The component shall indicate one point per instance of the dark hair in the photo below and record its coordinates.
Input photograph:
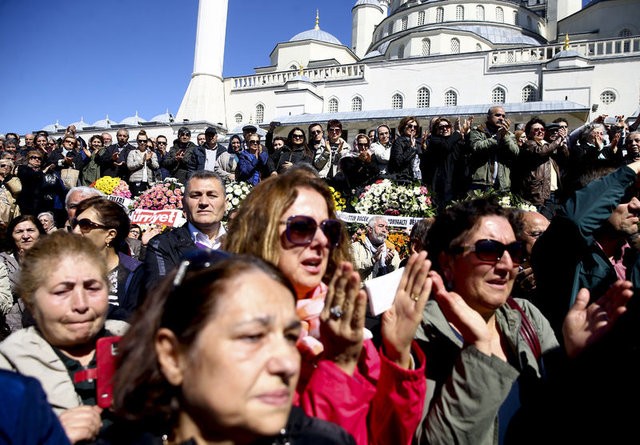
(453, 224)
(112, 215)
(334, 123)
(404, 121)
(11, 244)
(418, 235)
(203, 174)
(142, 394)
(98, 137)
(532, 121)
(290, 144)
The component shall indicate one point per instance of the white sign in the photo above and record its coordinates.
(171, 218)
(395, 221)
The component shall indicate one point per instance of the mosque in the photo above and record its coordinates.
(424, 58)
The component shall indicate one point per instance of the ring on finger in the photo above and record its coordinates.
(415, 297)
(336, 312)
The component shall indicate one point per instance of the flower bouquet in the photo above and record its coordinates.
(235, 194)
(505, 199)
(385, 197)
(339, 202)
(112, 186)
(166, 195)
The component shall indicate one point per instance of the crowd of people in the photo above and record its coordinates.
(258, 329)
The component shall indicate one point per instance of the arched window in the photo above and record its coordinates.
(333, 105)
(356, 104)
(450, 99)
(528, 22)
(238, 118)
(390, 28)
(259, 114)
(401, 52)
(607, 97)
(626, 32)
(405, 21)
(439, 14)
(397, 102)
(426, 47)
(499, 15)
(478, 47)
(498, 95)
(424, 98)
(455, 46)
(459, 12)
(480, 12)
(293, 66)
(421, 18)
(515, 17)
(529, 94)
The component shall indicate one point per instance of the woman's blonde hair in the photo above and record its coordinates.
(254, 229)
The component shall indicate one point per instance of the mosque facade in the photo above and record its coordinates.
(423, 58)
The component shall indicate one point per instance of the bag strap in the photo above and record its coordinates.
(527, 330)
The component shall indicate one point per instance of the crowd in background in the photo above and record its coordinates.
(257, 329)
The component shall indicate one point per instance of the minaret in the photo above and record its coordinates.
(204, 99)
(365, 16)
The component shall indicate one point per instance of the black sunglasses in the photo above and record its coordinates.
(301, 229)
(491, 251)
(86, 225)
(198, 259)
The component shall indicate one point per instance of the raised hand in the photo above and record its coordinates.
(342, 318)
(400, 321)
(466, 320)
(81, 423)
(585, 323)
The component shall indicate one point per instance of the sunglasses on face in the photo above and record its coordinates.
(301, 229)
(492, 251)
(86, 225)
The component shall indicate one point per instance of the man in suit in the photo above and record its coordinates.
(113, 162)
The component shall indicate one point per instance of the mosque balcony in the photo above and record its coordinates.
(314, 75)
(627, 46)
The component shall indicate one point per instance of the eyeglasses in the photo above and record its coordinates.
(563, 126)
(443, 127)
(4, 165)
(365, 145)
(86, 225)
(491, 251)
(500, 115)
(198, 259)
(254, 142)
(316, 132)
(298, 136)
(335, 130)
(301, 229)
(537, 130)
(141, 141)
(51, 144)
(410, 126)
(35, 157)
(161, 143)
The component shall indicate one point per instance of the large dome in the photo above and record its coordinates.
(316, 34)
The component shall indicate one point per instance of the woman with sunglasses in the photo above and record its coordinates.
(107, 225)
(375, 395)
(404, 160)
(486, 350)
(42, 189)
(358, 168)
(446, 160)
(296, 151)
(252, 162)
(219, 368)
(63, 283)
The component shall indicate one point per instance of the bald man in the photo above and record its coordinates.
(533, 225)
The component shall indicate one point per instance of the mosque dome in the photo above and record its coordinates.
(367, 2)
(316, 34)
(104, 123)
(133, 120)
(164, 118)
(80, 125)
(54, 128)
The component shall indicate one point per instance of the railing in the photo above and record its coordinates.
(594, 49)
(328, 74)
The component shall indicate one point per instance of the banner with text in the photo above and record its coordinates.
(395, 221)
(171, 218)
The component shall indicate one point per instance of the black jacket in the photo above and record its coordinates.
(164, 252)
(108, 166)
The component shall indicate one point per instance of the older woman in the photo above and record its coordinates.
(23, 231)
(107, 225)
(222, 369)
(485, 349)
(376, 396)
(69, 304)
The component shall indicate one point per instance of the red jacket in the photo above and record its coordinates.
(381, 403)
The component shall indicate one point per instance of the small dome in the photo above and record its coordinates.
(133, 120)
(81, 124)
(54, 128)
(165, 118)
(316, 34)
(367, 2)
(104, 123)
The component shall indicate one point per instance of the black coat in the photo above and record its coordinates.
(108, 165)
(164, 252)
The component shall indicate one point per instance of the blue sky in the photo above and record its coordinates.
(62, 60)
(67, 59)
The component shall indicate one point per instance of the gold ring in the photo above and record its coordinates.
(415, 297)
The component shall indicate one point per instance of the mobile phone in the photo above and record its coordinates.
(106, 355)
